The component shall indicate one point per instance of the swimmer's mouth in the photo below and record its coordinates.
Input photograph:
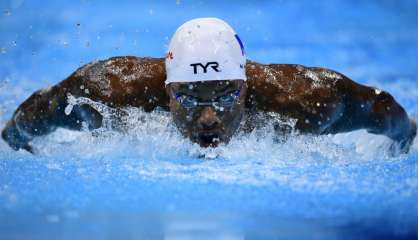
(208, 139)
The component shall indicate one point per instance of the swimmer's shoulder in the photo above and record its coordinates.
(272, 79)
(120, 81)
(291, 78)
(123, 70)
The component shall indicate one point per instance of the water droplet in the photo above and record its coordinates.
(71, 214)
(52, 218)
(211, 155)
(3, 50)
(71, 102)
(68, 109)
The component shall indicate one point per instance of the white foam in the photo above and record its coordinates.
(152, 148)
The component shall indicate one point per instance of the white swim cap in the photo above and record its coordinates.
(205, 49)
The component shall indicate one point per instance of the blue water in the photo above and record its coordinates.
(152, 184)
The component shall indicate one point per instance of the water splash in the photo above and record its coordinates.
(151, 147)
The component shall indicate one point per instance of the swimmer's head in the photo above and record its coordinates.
(205, 67)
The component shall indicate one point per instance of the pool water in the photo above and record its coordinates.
(151, 183)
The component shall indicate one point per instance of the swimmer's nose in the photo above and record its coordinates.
(208, 119)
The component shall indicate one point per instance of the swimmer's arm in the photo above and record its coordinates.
(290, 91)
(44, 111)
(377, 112)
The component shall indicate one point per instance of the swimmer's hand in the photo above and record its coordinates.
(403, 145)
(15, 139)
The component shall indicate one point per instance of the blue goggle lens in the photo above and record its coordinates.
(224, 101)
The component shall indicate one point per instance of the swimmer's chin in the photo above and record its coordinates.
(208, 139)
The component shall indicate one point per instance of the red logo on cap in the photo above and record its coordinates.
(169, 55)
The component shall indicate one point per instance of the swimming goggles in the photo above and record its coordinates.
(224, 101)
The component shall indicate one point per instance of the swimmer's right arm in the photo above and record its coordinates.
(103, 81)
(43, 112)
(40, 114)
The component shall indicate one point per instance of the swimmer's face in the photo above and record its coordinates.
(208, 112)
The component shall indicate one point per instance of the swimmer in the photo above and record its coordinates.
(210, 88)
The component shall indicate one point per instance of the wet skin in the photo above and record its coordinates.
(207, 125)
(322, 101)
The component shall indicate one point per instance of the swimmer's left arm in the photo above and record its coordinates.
(377, 112)
(324, 101)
